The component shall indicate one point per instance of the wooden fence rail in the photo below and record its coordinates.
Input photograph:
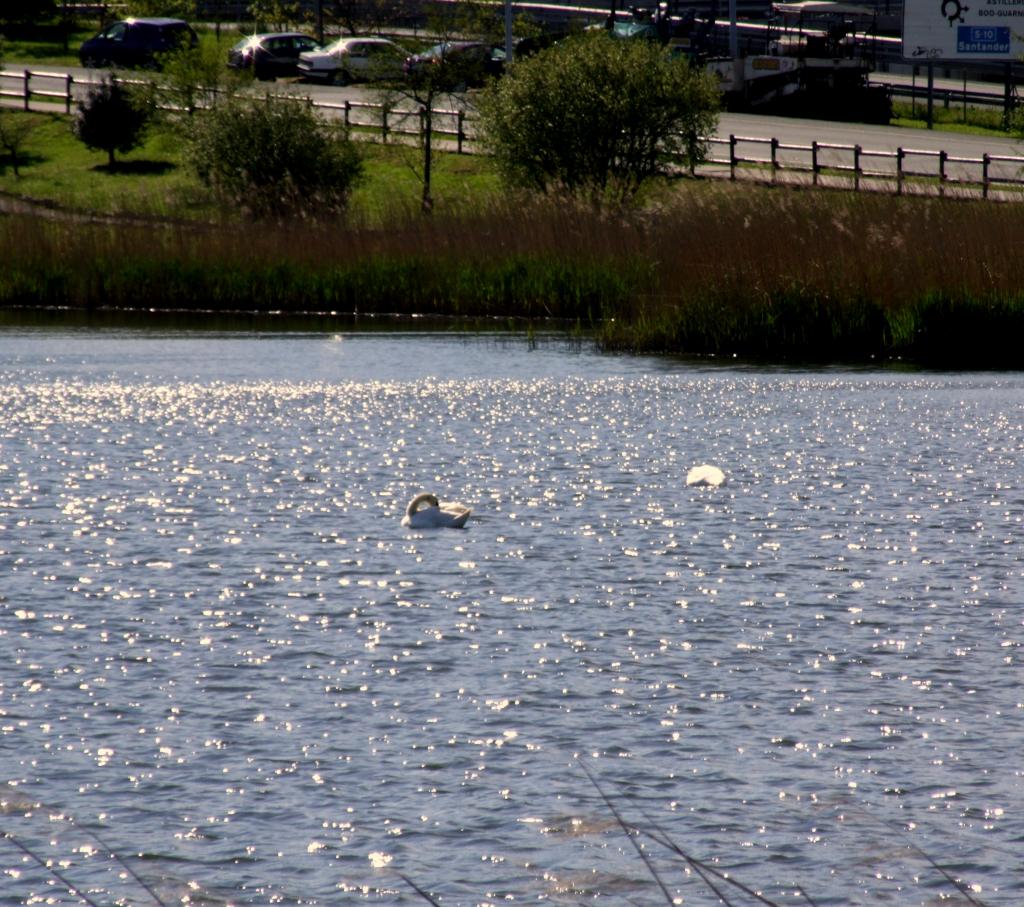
(900, 171)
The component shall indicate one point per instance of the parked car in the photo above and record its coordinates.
(353, 59)
(136, 42)
(271, 55)
(465, 62)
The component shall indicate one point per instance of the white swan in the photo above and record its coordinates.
(424, 512)
(705, 475)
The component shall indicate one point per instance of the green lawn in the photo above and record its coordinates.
(56, 167)
(975, 121)
(46, 43)
(44, 46)
(154, 180)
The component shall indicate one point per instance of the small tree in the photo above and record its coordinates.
(19, 11)
(597, 116)
(195, 77)
(185, 9)
(274, 157)
(110, 119)
(279, 14)
(368, 16)
(15, 128)
(446, 75)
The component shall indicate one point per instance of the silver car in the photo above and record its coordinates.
(353, 59)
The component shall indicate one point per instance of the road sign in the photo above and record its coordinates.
(991, 30)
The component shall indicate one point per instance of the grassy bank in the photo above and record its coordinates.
(717, 270)
(704, 267)
(957, 118)
(153, 180)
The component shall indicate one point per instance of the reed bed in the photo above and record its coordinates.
(710, 269)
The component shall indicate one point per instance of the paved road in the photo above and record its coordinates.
(882, 138)
(963, 153)
(791, 131)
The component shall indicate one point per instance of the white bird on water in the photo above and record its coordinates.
(426, 512)
(706, 476)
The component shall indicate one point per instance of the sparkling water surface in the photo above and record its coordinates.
(230, 676)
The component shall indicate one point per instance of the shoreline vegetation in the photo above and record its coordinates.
(698, 268)
(714, 270)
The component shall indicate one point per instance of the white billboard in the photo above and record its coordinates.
(963, 30)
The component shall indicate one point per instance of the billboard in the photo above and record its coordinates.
(963, 30)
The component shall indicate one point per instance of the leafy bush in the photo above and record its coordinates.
(597, 116)
(15, 128)
(109, 119)
(196, 77)
(12, 11)
(185, 9)
(274, 158)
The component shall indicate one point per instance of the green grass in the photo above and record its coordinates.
(703, 267)
(57, 168)
(154, 180)
(45, 44)
(975, 121)
(762, 274)
(48, 44)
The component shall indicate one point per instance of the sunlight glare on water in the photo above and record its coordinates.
(227, 662)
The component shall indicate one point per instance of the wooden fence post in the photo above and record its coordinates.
(70, 80)
(26, 77)
(732, 156)
(460, 124)
(899, 170)
(856, 168)
(984, 175)
(942, 173)
(384, 123)
(348, 113)
(814, 163)
(775, 157)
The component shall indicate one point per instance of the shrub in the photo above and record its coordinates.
(18, 11)
(15, 128)
(186, 9)
(109, 119)
(274, 158)
(195, 77)
(597, 116)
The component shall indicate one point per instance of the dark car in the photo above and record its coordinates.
(457, 63)
(136, 42)
(271, 55)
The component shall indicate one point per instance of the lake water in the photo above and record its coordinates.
(226, 663)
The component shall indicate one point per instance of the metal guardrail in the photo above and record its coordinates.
(901, 171)
(948, 97)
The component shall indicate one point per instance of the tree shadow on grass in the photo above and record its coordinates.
(136, 168)
(25, 160)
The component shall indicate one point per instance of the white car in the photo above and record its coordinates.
(353, 59)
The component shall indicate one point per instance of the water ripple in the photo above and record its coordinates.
(228, 661)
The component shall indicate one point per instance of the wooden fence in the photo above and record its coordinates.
(38, 85)
(900, 171)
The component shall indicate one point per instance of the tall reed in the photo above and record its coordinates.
(714, 269)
